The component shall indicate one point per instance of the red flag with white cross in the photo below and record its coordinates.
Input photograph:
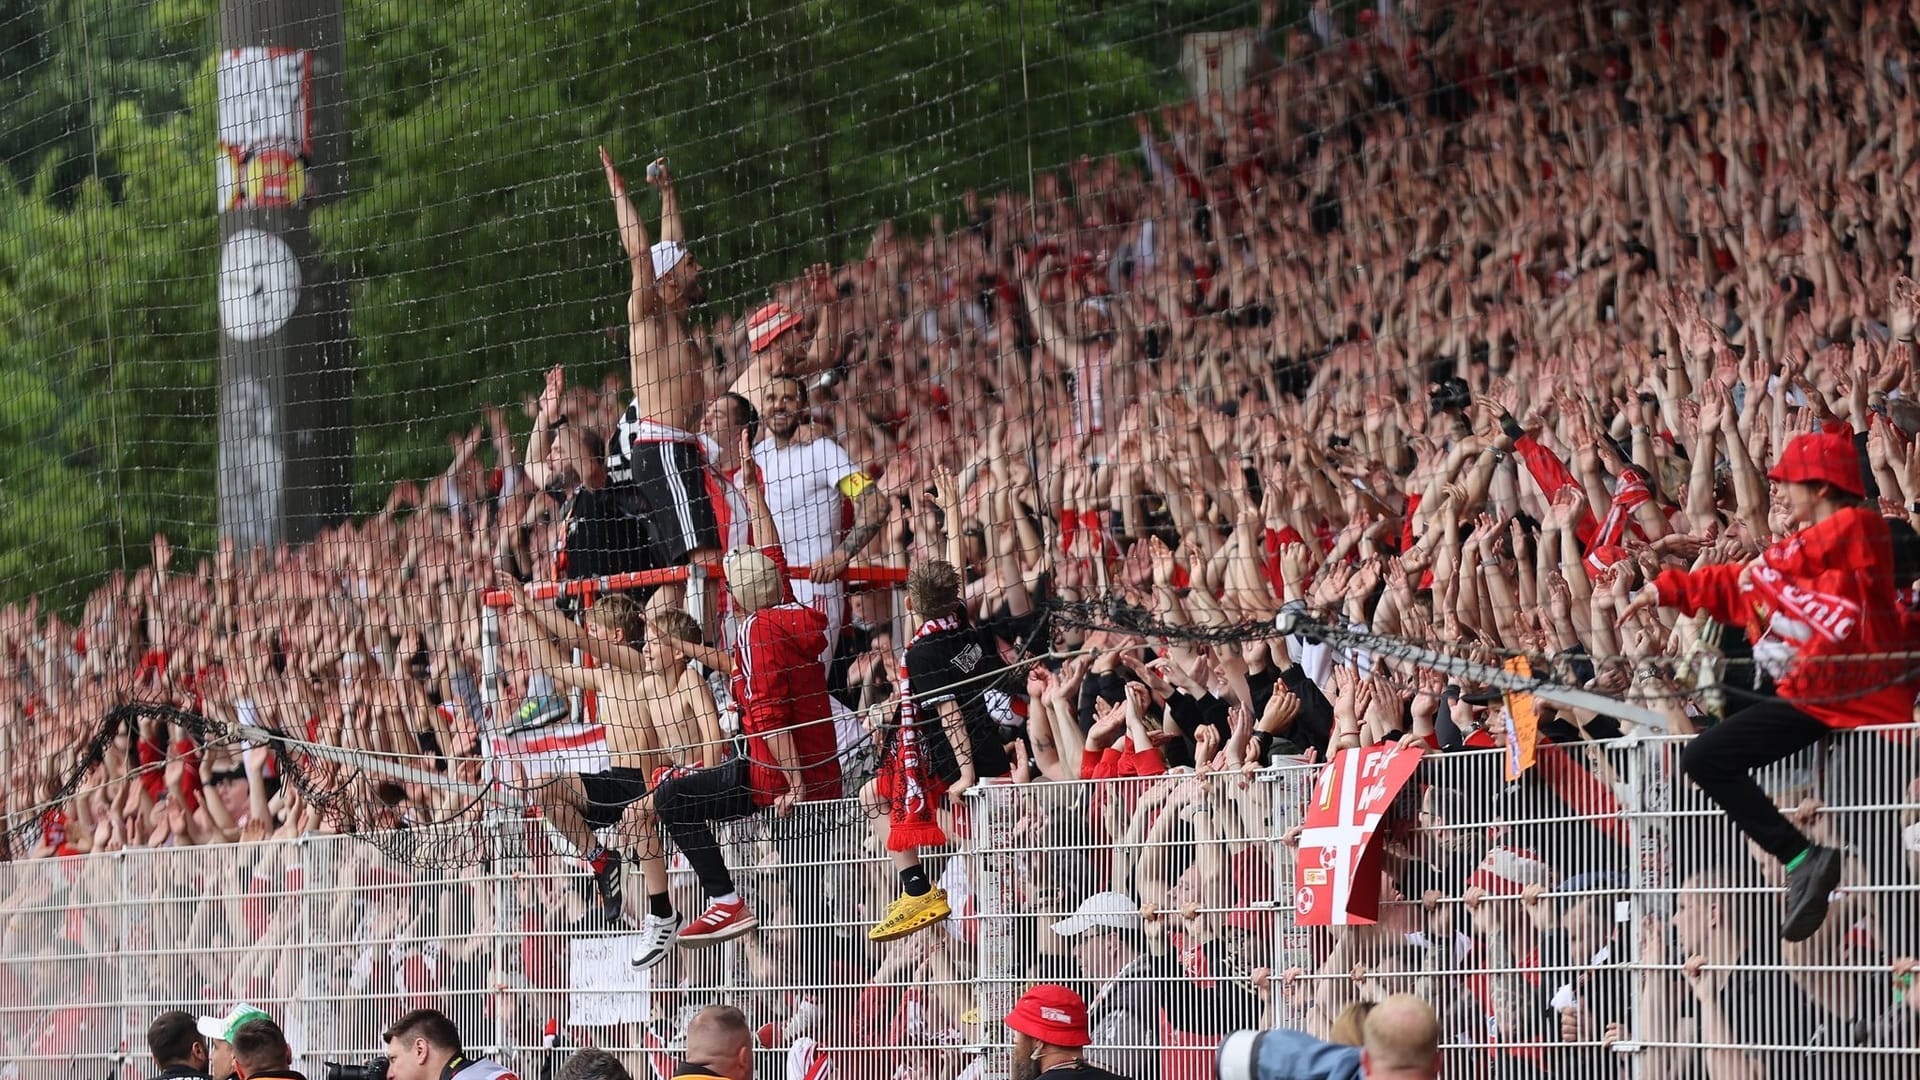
(1337, 878)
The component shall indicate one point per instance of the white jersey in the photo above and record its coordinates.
(802, 483)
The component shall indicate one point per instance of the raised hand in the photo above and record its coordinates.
(749, 474)
(946, 494)
(820, 286)
(552, 393)
(1903, 307)
(1568, 504)
(616, 184)
(1206, 744)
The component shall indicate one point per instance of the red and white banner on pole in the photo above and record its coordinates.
(1337, 881)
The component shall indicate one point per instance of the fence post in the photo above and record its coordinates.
(993, 965)
(490, 667)
(1648, 802)
(496, 969)
(304, 967)
(1292, 944)
(122, 906)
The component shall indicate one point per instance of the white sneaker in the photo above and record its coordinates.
(656, 940)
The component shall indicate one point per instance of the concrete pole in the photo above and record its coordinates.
(286, 380)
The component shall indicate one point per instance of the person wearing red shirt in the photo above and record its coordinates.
(1809, 603)
(781, 689)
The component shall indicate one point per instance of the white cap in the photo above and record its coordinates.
(1109, 909)
(752, 578)
(667, 255)
(221, 1027)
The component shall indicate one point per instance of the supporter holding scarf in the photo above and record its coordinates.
(925, 762)
(1808, 603)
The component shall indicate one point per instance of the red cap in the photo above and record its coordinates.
(1820, 457)
(767, 324)
(1051, 1014)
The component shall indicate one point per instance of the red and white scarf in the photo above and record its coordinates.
(906, 777)
(1633, 493)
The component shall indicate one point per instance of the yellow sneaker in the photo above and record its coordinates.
(909, 914)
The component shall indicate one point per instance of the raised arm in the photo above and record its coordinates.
(553, 627)
(762, 532)
(633, 238)
(672, 228)
(869, 519)
(544, 656)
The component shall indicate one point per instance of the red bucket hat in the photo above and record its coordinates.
(1051, 1014)
(1819, 457)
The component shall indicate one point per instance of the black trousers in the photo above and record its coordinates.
(686, 804)
(1864, 770)
(1721, 760)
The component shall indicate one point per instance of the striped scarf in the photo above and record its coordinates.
(1632, 494)
(906, 776)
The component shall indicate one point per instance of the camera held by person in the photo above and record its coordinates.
(424, 1045)
(374, 1069)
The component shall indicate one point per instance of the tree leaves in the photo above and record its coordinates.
(474, 230)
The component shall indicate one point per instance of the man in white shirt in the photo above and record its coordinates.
(808, 486)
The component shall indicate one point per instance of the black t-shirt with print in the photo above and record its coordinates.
(963, 666)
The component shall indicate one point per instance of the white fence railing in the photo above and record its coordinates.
(1648, 948)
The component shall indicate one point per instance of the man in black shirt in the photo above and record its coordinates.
(178, 1050)
(949, 668)
(1050, 1028)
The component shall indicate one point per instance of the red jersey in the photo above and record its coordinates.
(779, 683)
(1824, 593)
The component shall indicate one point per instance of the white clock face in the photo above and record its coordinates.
(259, 284)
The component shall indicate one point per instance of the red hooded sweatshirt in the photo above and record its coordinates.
(1826, 591)
(780, 684)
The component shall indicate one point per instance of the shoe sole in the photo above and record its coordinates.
(651, 960)
(715, 937)
(907, 929)
(1801, 925)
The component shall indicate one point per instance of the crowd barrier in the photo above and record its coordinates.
(1645, 947)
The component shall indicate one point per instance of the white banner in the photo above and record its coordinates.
(605, 989)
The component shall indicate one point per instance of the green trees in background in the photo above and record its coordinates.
(475, 227)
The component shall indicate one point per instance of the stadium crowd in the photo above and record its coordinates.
(1462, 330)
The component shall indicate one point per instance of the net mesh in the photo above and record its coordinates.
(1435, 331)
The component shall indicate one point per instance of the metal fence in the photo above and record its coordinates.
(1595, 919)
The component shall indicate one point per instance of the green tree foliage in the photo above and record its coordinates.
(475, 227)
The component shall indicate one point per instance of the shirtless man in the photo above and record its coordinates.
(685, 717)
(688, 724)
(655, 448)
(578, 805)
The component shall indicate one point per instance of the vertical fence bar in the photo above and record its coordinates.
(122, 910)
(993, 964)
(496, 949)
(490, 666)
(304, 969)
